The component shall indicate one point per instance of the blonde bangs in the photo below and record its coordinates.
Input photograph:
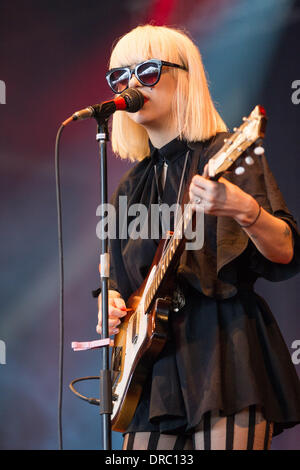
(196, 116)
(135, 46)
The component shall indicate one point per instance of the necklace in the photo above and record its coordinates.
(160, 184)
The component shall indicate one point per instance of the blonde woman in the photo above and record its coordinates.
(224, 379)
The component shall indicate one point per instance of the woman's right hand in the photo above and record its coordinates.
(116, 310)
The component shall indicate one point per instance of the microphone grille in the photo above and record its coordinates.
(134, 100)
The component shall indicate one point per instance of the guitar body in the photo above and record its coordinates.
(141, 338)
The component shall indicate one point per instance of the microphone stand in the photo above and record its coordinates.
(105, 375)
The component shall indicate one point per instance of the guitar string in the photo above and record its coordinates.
(162, 261)
(178, 196)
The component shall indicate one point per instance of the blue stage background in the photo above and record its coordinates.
(53, 60)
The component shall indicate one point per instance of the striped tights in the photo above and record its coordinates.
(246, 430)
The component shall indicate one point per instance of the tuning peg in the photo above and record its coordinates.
(228, 141)
(259, 150)
(249, 160)
(239, 170)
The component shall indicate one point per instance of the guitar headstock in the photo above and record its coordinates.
(250, 132)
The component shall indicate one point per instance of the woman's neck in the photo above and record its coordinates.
(160, 137)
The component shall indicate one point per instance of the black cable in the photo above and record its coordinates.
(91, 400)
(61, 290)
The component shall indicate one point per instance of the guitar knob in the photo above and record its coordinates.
(239, 170)
(259, 150)
(249, 160)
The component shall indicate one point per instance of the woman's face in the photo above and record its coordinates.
(157, 111)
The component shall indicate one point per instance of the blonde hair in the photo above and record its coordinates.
(192, 105)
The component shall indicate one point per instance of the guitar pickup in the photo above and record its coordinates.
(117, 359)
(134, 338)
(116, 362)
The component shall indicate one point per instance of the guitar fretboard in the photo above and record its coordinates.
(168, 255)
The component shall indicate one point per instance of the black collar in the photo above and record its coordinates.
(169, 152)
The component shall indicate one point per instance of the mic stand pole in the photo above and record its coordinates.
(105, 375)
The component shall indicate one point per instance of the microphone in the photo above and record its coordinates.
(130, 100)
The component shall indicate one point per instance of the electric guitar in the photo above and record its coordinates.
(143, 332)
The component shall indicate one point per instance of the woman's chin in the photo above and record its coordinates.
(141, 117)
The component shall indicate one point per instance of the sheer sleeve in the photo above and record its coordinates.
(232, 240)
(277, 207)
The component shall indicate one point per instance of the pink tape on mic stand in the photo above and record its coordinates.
(86, 345)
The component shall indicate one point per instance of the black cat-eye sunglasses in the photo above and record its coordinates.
(148, 74)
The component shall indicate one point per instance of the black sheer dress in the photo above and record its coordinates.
(225, 351)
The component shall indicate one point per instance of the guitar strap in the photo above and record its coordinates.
(160, 181)
(178, 297)
(193, 171)
(160, 184)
